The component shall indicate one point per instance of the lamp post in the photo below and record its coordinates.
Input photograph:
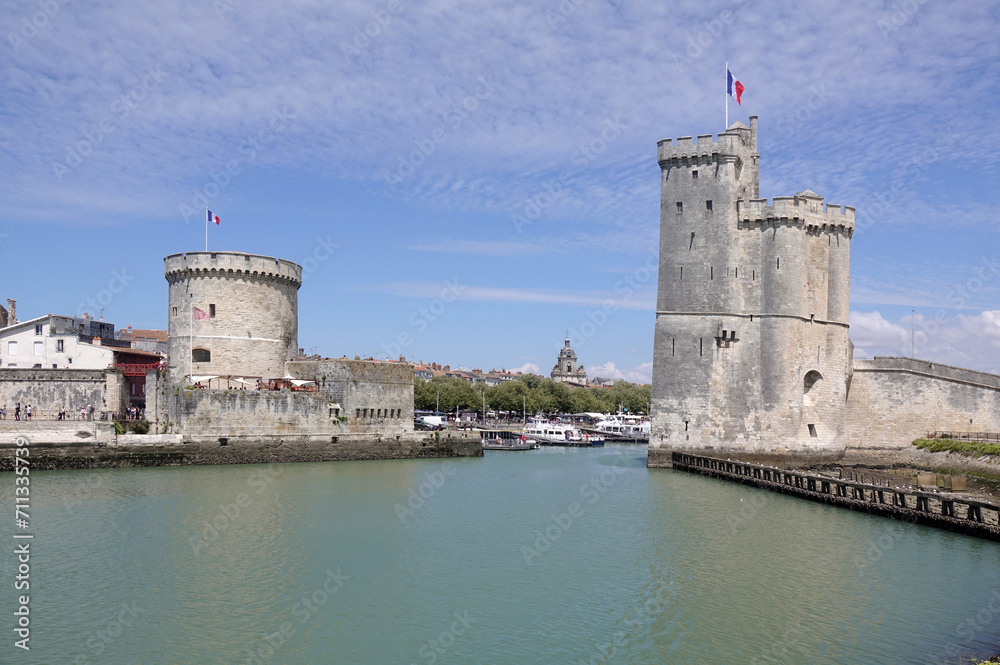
(437, 407)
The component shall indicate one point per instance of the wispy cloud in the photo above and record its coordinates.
(522, 296)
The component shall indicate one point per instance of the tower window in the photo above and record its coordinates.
(682, 273)
(701, 346)
(201, 355)
(673, 347)
(211, 311)
(680, 207)
(778, 264)
(694, 175)
(812, 430)
(711, 272)
(174, 312)
(708, 205)
(60, 346)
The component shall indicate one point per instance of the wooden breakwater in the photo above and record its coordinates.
(944, 511)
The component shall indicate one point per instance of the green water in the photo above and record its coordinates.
(330, 562)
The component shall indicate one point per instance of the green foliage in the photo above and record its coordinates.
(953, 446)
(133, 426)
(532, 393)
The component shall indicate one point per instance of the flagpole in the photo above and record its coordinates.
(191, 332)
(727, 111)
(206, 211)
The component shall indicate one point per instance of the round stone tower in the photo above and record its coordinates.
(231, 314)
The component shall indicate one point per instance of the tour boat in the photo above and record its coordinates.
(558, 434)
(624, 428)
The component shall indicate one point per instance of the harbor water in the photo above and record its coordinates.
(549, 556)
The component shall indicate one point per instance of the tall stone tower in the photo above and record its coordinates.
(751, 356)
(231, 314)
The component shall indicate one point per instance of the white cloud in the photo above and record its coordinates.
(641, 374)
(527, 368)
(971, 341)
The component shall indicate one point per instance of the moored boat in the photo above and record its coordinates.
(506, 440)
(559, 434)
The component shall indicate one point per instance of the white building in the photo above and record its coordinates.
(58, 342)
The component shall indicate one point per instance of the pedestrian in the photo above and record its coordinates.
(91, 415)
(17, 411)
(27, 412)
(3, 412)
(83, 413)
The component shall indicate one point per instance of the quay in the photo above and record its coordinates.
(959, 514)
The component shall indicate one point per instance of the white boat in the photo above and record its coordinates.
(506, 440)
(624, 428)
(558, 434)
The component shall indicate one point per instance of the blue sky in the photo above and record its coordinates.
(464, 182)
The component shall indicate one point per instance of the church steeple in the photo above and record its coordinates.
(566, 369)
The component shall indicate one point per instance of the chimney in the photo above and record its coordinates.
(11, 311)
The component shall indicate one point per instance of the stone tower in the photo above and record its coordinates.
(246, 321)
(751, 356)
(566, 368)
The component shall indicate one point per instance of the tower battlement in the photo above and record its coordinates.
(805, 209)
(737, 141)
(239, 264)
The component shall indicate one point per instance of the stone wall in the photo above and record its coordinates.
(374, 396)
(893, 401)
(352, 397)
(49, 390)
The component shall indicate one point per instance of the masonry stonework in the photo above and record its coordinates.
(751, 354)
(51, 390)
(893, 401)
(246, 322)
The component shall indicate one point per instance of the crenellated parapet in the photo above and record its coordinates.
(705, 148)
(805, 210)
(200, 265)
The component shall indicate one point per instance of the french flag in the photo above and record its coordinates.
(734, 87)
(215, 218)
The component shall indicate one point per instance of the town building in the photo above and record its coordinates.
(154, 341)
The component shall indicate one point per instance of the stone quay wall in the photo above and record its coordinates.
(60, 445)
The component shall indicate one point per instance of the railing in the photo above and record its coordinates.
(984, 437)
(136, 369)
(962, 514)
